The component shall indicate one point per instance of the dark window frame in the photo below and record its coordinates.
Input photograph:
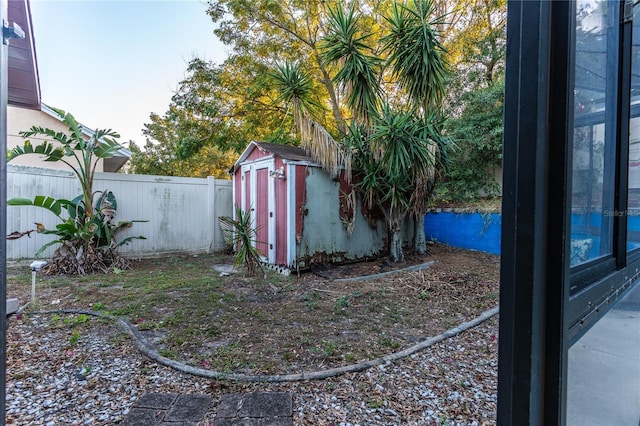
(593, 289)
(540, 315)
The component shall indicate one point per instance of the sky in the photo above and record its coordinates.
(112, 63)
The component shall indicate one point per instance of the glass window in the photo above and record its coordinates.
(633, 209)
(593, 168)
(604, 369)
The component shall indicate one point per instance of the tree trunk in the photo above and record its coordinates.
(326, 81)
(419, 238)
(395, 247)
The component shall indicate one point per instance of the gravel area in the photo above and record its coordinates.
(74, 370)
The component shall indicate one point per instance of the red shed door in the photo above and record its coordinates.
(262, 211)
(258, 195)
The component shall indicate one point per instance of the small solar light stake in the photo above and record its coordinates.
(35, 267)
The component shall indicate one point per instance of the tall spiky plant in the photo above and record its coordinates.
(417, 61)
(295, 87)
(359, 71)
(399, 151)
(416, 56)
(397, 161)
(243, 239)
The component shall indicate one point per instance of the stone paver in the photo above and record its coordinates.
(266, 404)
(160, 401)
(143, 417)
(259, 409)
(189, 408)
(251, 409)
(168, 409)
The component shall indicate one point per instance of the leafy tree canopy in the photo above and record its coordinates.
(478, 134)
(218, 109)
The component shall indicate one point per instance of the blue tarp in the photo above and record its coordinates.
(474, 231)
(482, 231)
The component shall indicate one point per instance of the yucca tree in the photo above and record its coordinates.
(359, 69)
(417, 62)
(398, 162)
(416, 54)
(296, 88)
(393, 136)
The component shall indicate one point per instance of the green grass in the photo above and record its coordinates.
(228, 358)
(73, 340)
(388, 342)
(260, 324)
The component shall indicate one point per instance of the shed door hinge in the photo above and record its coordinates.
(9, 32)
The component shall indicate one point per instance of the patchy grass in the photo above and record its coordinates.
(275, 324)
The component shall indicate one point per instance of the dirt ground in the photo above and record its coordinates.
(277, 324)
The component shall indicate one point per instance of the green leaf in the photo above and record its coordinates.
(106, 148)
(19, 202)
(49, 203)
(47, 149)
(75, 208)
(46, 246)
(129, 239)
(67, 228)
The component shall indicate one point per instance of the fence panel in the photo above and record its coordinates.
(181, 213)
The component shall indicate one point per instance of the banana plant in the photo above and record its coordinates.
(75, 150)
(76, 231)
(87, 229)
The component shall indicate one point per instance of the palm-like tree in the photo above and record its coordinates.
(398, 151)
(296, 88)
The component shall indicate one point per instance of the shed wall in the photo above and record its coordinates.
(324, 237)
(301, 199)
(256, 154)
(237, 188)
(261, 211)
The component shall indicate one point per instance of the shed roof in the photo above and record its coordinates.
(23, 79)
(286, 152)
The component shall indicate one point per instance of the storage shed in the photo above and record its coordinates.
(302, 215)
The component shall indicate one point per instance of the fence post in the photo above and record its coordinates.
(211, 213)
(221, 205)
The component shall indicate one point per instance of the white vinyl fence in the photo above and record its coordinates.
(182, 213)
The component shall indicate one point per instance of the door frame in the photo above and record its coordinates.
(252, 168)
